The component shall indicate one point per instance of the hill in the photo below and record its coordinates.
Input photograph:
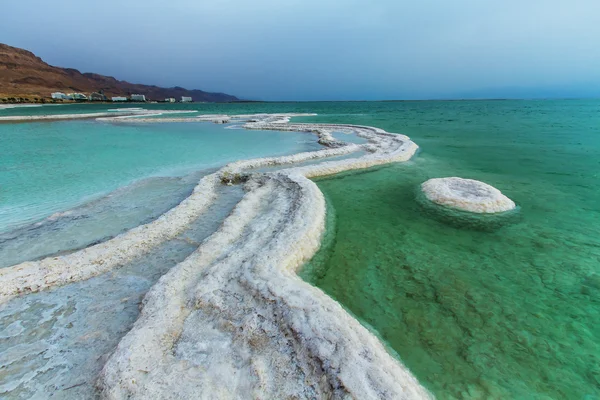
(24, 75)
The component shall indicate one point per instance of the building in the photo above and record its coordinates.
(59, 96)
(186, 99)
(170, 100)
(119, 98)
(97, 97)
(77, 96)
(138, 97)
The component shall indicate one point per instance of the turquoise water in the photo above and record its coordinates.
(506, 312)
(349, 138)
(96, 221)
(511, 311)
(47, 167)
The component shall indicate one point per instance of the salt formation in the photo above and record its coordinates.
(33, 276)
(467, 195)
(123, 112)
(234, 320)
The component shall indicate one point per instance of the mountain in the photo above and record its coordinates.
(24, 75)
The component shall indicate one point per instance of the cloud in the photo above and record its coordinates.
(288, 49)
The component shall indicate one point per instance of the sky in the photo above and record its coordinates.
(323, 49)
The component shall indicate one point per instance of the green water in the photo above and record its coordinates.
(507, 313)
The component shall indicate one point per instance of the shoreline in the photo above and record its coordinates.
(124, 112)
(254, 256)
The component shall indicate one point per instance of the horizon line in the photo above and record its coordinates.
(433, 99)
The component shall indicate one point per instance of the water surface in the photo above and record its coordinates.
(512, 312)
(48, 167)
(508, 312)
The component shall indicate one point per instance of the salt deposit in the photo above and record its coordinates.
(467, 195)
(236, 312)
(234, 320)
(123, 112)
(33, 276)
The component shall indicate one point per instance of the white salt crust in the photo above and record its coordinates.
(234, 320)
(467, 195)
(124, 112)
(33, 276)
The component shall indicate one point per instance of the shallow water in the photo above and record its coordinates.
(54, 343)
(47, 167)
(96, 221)
(507, 312)
(344, 137)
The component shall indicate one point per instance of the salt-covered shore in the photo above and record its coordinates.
(234, 320)
(7, 106)
(123, 112)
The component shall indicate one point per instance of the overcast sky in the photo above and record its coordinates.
(322, 49)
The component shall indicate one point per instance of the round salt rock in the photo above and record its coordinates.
(467, 195)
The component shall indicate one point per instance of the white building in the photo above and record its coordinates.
(119, 98)
(186, 99)
(138, 97)
(170, 100)
(59, 95)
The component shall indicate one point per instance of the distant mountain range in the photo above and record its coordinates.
(24, 75)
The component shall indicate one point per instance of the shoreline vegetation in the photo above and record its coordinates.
(284, 336)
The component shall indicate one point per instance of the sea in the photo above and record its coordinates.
(475, 307)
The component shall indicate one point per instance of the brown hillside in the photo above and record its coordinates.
(22, 74)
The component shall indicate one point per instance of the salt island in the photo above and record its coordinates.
(466, 195)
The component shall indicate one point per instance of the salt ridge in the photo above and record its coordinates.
(124, 112)
(235, 311)
(34, 276)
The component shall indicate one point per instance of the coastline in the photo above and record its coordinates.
(292, 207)
(61, 117)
